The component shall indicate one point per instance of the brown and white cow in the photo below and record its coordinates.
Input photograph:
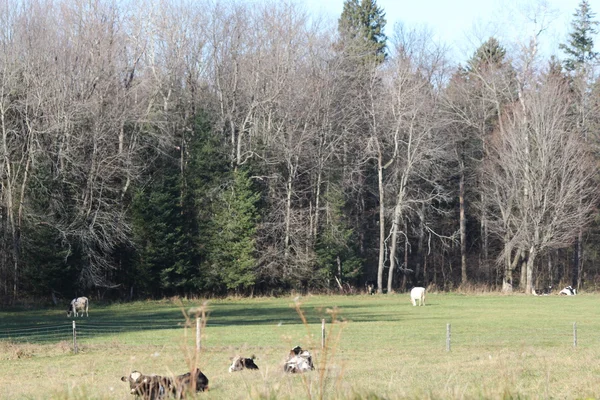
(78, 304)
(299, 360)
(148, 387)
(239, 363)
(155, 387)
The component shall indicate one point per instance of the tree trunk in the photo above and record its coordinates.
(380, 261)
(530, 263)
(463, 226)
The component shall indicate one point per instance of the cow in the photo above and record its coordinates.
(78, 304)
(239, 363)
(148, 387)
(542, 292)
(298, 360)
(417, 294)
(568, 291)
(190, 382)
(156, 387)
(370, 287)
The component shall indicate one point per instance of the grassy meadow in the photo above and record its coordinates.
(379, 346)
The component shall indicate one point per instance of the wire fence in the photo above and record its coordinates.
(450, 336)
(82, 329)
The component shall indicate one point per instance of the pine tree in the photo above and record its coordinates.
(232, 242)
(579, 48)
(335, 249)
(361, 28)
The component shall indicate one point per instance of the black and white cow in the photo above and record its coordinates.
(298, 360)
(156, 387)
(546, 291)
(78, 304)
(370, 287)
(239, 363)
(568, 291)
(148, 387)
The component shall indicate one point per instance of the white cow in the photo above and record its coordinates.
(568, 291)
(78, 304)
(417, 294)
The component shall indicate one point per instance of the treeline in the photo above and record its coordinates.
(156, 148)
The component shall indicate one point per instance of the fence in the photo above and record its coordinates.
(78, 330)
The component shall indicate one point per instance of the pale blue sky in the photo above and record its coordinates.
(463, 24)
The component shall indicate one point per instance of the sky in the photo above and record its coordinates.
(464, 24)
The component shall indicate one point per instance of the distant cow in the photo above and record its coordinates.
(239, 363)
(298, 360)
(370, 287)
(542, 292)
(417, 294)
(78, 304)
(568, 291)
(148, 387)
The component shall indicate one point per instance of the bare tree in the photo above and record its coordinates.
(537, 153)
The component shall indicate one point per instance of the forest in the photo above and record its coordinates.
(213, 148)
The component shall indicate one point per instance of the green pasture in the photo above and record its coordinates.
(379, 346)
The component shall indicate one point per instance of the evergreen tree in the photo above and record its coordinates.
(489, 55)
(580, 46)
(335, 249)
(361, 27)
(232, 243)
(164, 234)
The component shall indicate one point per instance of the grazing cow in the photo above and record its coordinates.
(240, 363)
(298, 360)
(190, 382)
(568, 291)
(542, 292)
(148, 387)
(370, 287)
(78, 304)
(417, 294)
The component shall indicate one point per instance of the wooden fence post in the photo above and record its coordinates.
(448, 334)
(74, 338)
(198, 332)
(574, 334)
(322, 333)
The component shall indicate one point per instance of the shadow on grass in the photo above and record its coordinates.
(52, 324)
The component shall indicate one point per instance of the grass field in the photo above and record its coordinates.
(379, 347)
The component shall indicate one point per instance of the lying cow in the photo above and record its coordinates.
(298, 360)
(154, 387)
(568, 291)
(542, 292)
(417, 294)
(78, 304)
(239, 363)
(148, 387)
(190, 382)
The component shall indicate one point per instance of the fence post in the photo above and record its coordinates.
(323, 333)
(448, 334)
(74, 338)
(574, 334)
(198, 332)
